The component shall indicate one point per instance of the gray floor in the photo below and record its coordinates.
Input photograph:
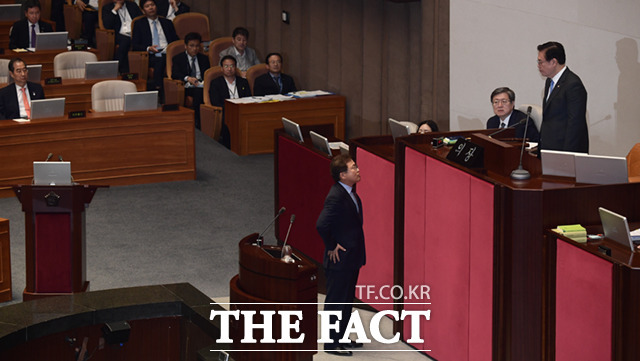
(176, 231)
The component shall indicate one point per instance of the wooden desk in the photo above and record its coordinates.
(44, 57)
(110, 148)
(77, 92)
(252, 125)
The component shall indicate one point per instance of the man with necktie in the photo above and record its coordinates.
(340, 227)
(503, 102)
(274, 81)
(564, 103)
(23, 33)
(189, 67)
(15, 99)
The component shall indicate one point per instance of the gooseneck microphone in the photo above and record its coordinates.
(261, 235)
(521, 173)
(49, 157)
(293, 218)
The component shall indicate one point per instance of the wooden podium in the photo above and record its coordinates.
(266, 283)
(55, 238)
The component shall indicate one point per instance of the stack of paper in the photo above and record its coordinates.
(574, 231)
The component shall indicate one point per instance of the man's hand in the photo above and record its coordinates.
(333, 255)
(173, 4)
(118, 5)
(81, 5)
(193, 80)
(154, 49)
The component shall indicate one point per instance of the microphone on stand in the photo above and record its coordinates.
(293, 218)
(521, 173)
(260, 239)
(49, 157)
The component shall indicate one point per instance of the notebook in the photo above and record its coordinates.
(321, 143)
(141, 101)
(47, 108)
(292, 128)
(600, 169)
(558, 163)
(51, 41)
(616, 228)
(398, 129)
(52, 173)
(101, 69)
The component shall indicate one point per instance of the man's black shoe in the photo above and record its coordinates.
(338, 351)
(353, 344)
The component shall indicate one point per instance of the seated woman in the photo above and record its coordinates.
(427, 126)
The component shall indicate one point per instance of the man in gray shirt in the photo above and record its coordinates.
(245, 56)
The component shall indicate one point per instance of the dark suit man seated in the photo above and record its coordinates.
(153, 34)
(273, 82)
(503, 101)
(190, 67)
(89, 9)
(23, 33)
(15, 99)
(227, 86)
(170, 8)
(117, 16)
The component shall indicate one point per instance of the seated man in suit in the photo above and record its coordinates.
(245, 56)
(153, 34)
(190, 67)
(503, 101)
(117, 16)
(89, 10)
(15, 99)
(23, 33)
(170, 8)
(273, 82)
(227, 86)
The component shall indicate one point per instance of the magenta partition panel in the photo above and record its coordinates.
(376, 190)
(304, 181)
(449, 247)
(583, 305)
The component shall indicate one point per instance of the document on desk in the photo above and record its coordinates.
(337, 145)
(22, 120)
(264, 99)
(309, 93)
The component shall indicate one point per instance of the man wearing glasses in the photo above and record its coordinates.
(15, 99)
(503, 102)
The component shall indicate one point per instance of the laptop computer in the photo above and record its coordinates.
(558, 163)
(616, 228)
(47, 108)
(321, 143)
(10, 12)
(147, 100)
(600, 169)
(398, 129)
(52, 173)
(292, 128)
(101, 69)
(344, 149)
(51, 41)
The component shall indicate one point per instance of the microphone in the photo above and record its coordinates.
(49, 157)
(521, 173)
(261, 235)
(509, 127)
(293, 218)
(60, 158)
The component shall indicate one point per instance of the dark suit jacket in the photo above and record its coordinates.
(9, 108)
(181, 66)
(265, 85)
(113, 22)
(162, 7)
(19, 37)
(218, 90)
(517, 116)
(340, 222)
(564, 122)
(141, 33)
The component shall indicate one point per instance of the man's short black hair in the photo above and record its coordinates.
(272, 54)
(142, 2)
(504, 89)
(13, 61)
(338, 165)
(240, 31)
(32, 4)
(553, 49)
(228, 57)
(192, 36)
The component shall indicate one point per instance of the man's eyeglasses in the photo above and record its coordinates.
(501, 101)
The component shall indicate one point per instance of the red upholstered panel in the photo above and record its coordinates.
(302, 173)
(376, 190)
(53, 252)
(481, 270)
(583, 305)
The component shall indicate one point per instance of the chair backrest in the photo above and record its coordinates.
(216, 46)
(633, 161)
(102, 3)
(108, 95)
(173, 49)
(413, 127)
(211, 73)
(133, 21)
(536, 113)
(4, 71)
(192, 22)
(254, 72)
(70, 65)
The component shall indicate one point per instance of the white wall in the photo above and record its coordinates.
(493, 44)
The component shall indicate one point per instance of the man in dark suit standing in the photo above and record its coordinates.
(170, 8)
(153, 34)
(15, 99)
(117, 16)
(273, 82)
(564, 103)
(190, 67)
(227, 86)
(340, 226)
(23, 32)
(503, 102)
